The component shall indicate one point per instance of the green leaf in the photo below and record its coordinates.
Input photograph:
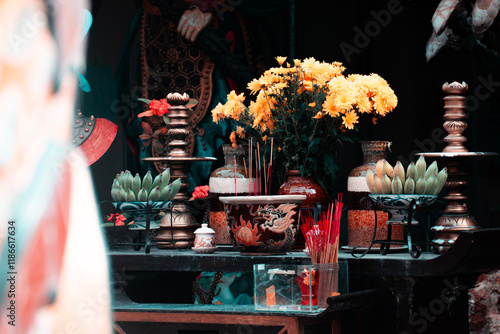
(329, 162)
(147, 128)
(147, 101)
(166, 119)
(157, 146)
(192, 103)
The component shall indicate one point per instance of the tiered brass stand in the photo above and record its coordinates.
(456, 217)
(177, 230)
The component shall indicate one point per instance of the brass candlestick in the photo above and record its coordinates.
(456, 217)
(177, 229)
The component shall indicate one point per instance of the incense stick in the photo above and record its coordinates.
(265, 176)
(235, 178)
(250, 165)
(322, 237)
(269, 179)
(259, 181)
(246, 174)
(270, 166)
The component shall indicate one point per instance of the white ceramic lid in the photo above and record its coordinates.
(204, 229)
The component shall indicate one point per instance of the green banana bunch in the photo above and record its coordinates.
(128, 188)
(417, 179)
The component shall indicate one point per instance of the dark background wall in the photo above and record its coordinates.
(384, 37)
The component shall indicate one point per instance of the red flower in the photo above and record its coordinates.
(118, 218)
(200, 192)
(159, 107)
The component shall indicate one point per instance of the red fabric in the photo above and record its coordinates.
(232, 85)
(134, 149)
(39, 266)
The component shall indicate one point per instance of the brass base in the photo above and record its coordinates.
(448, 228)
(177, 229)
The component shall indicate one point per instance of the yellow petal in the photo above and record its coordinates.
(280, 60)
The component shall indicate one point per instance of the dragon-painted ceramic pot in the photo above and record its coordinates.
(263, 224)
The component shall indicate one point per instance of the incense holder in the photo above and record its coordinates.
(262, 224)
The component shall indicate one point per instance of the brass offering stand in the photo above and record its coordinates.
(414, 247)
(177, 230)
(144, 236)
(456, 217)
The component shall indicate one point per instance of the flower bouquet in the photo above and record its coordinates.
(308, 108)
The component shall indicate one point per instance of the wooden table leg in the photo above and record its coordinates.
(294, 326)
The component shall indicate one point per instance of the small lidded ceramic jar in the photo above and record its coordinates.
(204, 240)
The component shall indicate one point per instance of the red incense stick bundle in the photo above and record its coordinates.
(322, 237)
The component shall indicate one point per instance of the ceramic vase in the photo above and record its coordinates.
(361, 217)
(223, 182)
(297, 184)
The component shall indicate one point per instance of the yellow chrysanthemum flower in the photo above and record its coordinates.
(254, 86)
(330, 107)
(350, 119)
(277, 70)
(240, 131)
(364, 104)
(307, 85)
(267, 80)
(319, 115)
(232, 138)
(345, 99)
(233, 97)
(218, 113)
(337, 84)
(280, 60)
(270, 124)
(308, 63)
(281, 85)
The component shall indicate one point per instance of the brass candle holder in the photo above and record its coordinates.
(177, 229)
(456, 217)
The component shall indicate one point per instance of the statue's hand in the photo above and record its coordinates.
(192, 22)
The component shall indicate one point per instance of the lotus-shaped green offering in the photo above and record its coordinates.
(132, 194)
